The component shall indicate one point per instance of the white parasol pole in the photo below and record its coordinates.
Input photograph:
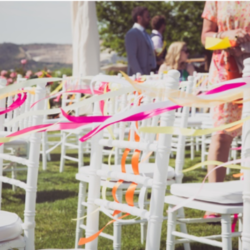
(86, 48)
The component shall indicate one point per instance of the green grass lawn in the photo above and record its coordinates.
(57, 205)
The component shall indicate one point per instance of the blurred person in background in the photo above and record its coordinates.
(232, 20)
(176, 58)
(158, 24)
(139, 46)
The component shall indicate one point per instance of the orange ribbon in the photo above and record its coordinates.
(129, 196)
(135, 166)
(83, 241)
(238, 175)
(130, 192)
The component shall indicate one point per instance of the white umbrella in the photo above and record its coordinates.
(86, 49)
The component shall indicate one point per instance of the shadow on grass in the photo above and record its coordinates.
(49, 196)
(198, 246)
(6, 186)
(194, 246)
(57, 158)
(192, 178)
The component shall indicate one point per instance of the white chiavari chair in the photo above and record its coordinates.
(45, 153)
(70, 139)
(189, 141)
(21, 146)
(201, 84)
(224, 198)
(47, 144)
(113, 105)
(207, 139)
(14, 233)
(95, 181)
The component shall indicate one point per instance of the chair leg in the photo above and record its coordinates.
(13, 175)
(46, 141)
(80, 211)
(48, 157)
(226, 232)
(234, 152)
(28, 150)
(80, 153)
(203, 150)
(171, 154)
(197, 144)
(44, 147)
(192, 148)
(171, 229)
(144, 225)
(118, 226)
(14, 169)
(62, 161)
(240, 230)
(183, 226)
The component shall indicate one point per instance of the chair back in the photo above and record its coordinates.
(32, 164)
(183, 122)
(24, 108)
(158, 183)
(201, 81)
(75, 83)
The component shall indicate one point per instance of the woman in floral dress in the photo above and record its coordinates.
(232, 20)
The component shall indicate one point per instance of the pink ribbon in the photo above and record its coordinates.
(224, 88)
(58, 95)
(136, 117)
(140, 116)
(80, 121)
(102, 88)
(132, 118)
(47, 127)
(17, 103)
(239, 148)
(84, 119)
(235, 219)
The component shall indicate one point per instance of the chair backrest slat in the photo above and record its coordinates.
(180, 155)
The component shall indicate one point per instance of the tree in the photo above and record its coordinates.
(184, 22)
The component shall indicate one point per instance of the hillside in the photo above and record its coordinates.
(39, 56)
(50, 56)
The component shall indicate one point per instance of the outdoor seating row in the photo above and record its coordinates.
(155, 180)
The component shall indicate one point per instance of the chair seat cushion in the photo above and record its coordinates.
(145, 169)
(220, 192)
(10, 226)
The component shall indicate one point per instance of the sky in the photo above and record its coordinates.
(35, 22)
